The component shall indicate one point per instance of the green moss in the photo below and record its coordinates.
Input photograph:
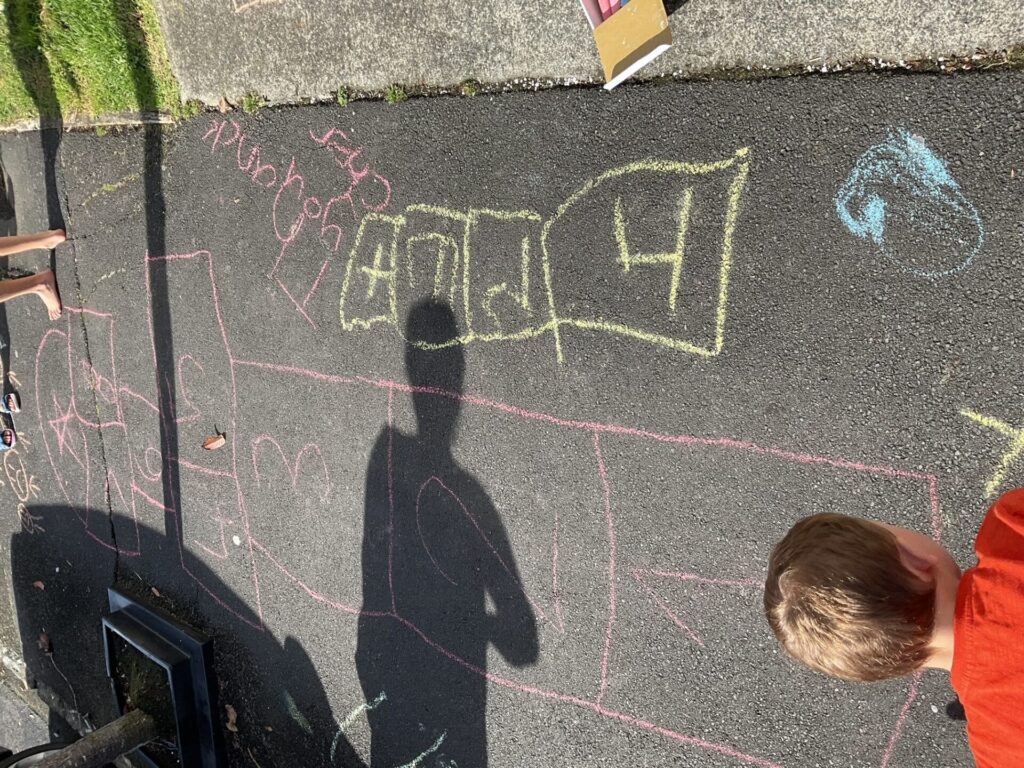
(395, 94)
(252, 101)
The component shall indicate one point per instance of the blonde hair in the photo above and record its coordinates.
(840, 600)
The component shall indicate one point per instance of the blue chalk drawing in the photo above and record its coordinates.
(920, 189)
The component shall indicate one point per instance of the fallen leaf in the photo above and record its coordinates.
(213, 442)
(224, 106)
(155, 591)
(269, 728)
(232, 718)
(44, 643)
(38, 585)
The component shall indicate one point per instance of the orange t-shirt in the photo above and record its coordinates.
(988, 650)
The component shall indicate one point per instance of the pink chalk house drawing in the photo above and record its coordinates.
(228, 532)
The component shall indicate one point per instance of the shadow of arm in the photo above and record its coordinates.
(512, 627)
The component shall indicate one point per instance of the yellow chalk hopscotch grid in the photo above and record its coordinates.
(450, 262)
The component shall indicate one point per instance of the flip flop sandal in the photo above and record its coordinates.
(4, 445)
(14, 406)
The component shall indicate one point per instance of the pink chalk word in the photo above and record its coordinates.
(335, 214)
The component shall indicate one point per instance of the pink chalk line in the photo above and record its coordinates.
(472, 519)
(419, 528)
(292, 469)
(606, 493)
(684, 628)
(589, 426)
(639, 576)
(591, 705)
(258, 624)
(897, 731)
(243, 509)
(701, 580)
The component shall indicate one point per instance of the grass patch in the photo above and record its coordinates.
(342, 97)
(89, 57)
(395, 94)
(252, 101)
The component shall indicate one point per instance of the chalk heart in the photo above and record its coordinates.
(304, 477)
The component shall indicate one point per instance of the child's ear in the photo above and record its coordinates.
(920, 564)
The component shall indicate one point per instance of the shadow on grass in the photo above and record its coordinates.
(25, 32)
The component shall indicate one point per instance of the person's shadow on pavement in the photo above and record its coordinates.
(440, 582)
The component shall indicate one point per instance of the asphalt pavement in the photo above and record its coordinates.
(517, 392)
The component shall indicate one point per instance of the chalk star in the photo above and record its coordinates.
(62, 433)
(1016, 447)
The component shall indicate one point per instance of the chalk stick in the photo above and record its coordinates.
(615, 5)
(593, 10)
(606, 8)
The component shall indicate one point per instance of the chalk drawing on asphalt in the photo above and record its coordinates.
(901, 186)
(643, 579)
(395, 254)
(1015, 438)
(64, 421)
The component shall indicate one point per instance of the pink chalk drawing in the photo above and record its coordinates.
(132, 480)
(436, 482)
(78, 469)
(222, 522)
(643, 579)
(291, 467)
(359, 190)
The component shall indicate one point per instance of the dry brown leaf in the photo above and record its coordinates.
(44, 643)
(224, 106)
(155, 591)
(232, 718)
(38, 585)
(213, 442)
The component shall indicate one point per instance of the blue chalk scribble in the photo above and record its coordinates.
(920, 190)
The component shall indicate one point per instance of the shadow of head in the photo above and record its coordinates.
(434, 361)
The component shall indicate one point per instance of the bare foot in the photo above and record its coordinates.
(47, 290)
(54, 238)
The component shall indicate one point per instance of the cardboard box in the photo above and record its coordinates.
(630, 38)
